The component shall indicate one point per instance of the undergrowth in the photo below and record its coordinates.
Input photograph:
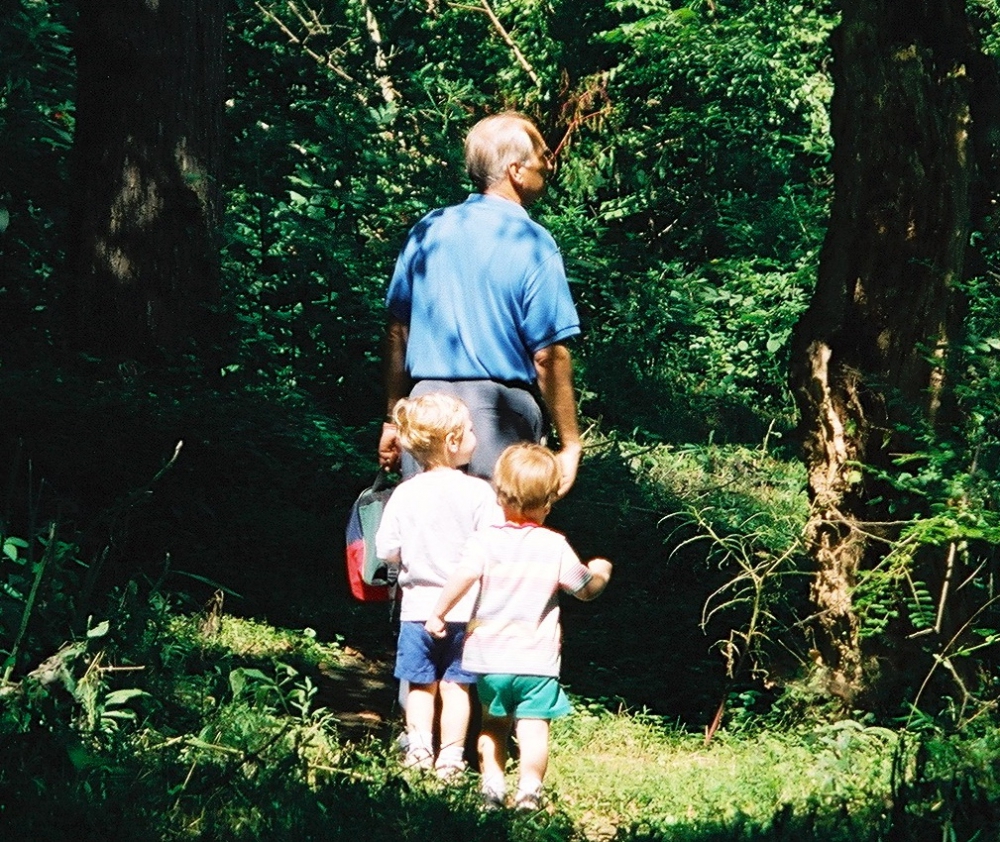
(216, 734)
(159, 720)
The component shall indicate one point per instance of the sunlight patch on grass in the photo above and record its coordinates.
(736, 483)
(615, 771)
(243, 638)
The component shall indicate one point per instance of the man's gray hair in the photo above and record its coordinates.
(493, 143)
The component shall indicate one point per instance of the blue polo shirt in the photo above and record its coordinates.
(482, 287)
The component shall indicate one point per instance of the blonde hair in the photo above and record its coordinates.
(496, 141)
(527, 476)
(425, 422)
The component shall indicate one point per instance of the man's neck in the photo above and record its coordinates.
(504, 190)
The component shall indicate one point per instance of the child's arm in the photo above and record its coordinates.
(600, 572)
(455, 588)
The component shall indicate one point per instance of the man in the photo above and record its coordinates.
(479, 306)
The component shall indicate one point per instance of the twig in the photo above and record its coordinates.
(949, 572)
(324, 61)
(940, 659)
(509, 41)
(133, 499)
(389, 92)
(573, 126)
(310, 28)
(347, 773)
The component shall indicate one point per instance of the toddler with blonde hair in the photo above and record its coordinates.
(424, 526)
(513, 640)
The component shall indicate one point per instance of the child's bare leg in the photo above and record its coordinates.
(533, 745)
(454, 724)
(420, 705)
(420, 702)
(492, 744)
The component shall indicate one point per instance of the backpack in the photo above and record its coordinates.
(367, 575)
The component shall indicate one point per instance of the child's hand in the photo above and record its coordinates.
(435, 627)
(600, 567)
(600, 572)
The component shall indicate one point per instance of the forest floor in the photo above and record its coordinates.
(362, 694)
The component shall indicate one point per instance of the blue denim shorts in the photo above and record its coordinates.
(422, 659)
(522, 696)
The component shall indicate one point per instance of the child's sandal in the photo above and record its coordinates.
(418, 757)
(450, 770)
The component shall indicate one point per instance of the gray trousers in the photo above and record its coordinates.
(501, 415)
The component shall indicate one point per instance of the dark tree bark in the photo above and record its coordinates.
(870, 354)
(143, 263)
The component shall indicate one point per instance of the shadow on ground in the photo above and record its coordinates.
(640, 645)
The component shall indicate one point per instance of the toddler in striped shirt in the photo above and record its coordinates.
(513, 638)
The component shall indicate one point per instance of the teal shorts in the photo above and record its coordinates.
(522, 696)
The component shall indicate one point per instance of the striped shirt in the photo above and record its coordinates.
(515, 622)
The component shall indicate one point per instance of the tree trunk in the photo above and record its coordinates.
(869, 354)
(143, 263)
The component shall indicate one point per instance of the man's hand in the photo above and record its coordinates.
(554, 368)
(389, 449)
(435, 627)
(397, 386)
(569, 461)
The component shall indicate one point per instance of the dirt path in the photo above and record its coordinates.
(362, 693)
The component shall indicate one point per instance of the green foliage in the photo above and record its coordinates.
(689, 248)
(255, 756)
(306, 186)
(931, 597)
(209, 726)
(746, 509)
(334, 164)
(254, 498)
(710, 200)
(690, 205)
(723, 131)
(706, 542)
(36, 126)
(707, 348)
(947, 787)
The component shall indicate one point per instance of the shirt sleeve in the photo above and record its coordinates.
(549, 314)
(398, 298)
(488, 512)
(472, 559)
(573, 574)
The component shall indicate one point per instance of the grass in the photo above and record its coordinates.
(257, 758)
(616, 770)
(207, 726)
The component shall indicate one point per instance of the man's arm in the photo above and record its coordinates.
(397, 386)
(554, 369)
